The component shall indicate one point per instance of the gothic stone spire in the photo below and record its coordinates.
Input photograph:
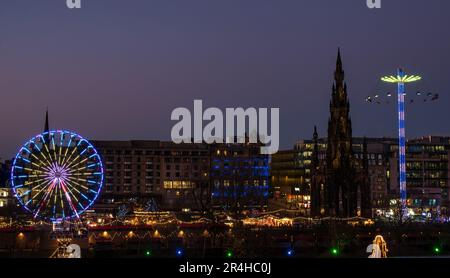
(340, 174)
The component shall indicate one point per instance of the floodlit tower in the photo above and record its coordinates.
(401, 79)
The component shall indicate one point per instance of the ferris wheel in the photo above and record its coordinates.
(57, 175)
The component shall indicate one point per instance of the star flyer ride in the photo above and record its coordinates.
(401, 79)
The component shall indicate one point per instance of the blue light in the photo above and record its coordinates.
(179, 252)
(402, 140)
(290, 252)
(83, 151)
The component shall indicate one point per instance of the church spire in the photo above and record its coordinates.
(46, 127)
(339, 60)
(339, 74)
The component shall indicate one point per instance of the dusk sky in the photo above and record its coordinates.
(116, 69)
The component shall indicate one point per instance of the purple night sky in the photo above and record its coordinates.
(115, 69)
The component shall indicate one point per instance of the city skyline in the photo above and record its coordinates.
(119, 76)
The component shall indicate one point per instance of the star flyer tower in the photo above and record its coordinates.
(401, 79)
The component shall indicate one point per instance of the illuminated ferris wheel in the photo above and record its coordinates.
(57, 175)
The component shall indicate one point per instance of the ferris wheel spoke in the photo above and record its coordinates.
(34, 170)
(69, 187)
(71, 183)
(74, 180)
(55, 201)
(38, 181)
(69, 162)
(85, 188)
(70, 156)
(67, 150)
(77, 179)
(78, 174)
(62, 203)
(25, 159)
(54, 148)
(52, 196)
(93, 165)
(69, 200)
(86, 159)
(77, 170)
(43, 167)
(50, 160)
(45, 162)
(81, 193)
(30, 173)
(41, 190)
(61, 138)
(76, 165)
(44, 199)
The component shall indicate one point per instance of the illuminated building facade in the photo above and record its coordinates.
(240, 177)
(172, 175)
(184, 176)
(4, 190)
(427, 168)
(287, 179)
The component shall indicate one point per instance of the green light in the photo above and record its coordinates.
(229, 254)
(148, 253)
(437, 250)
(334, 251)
